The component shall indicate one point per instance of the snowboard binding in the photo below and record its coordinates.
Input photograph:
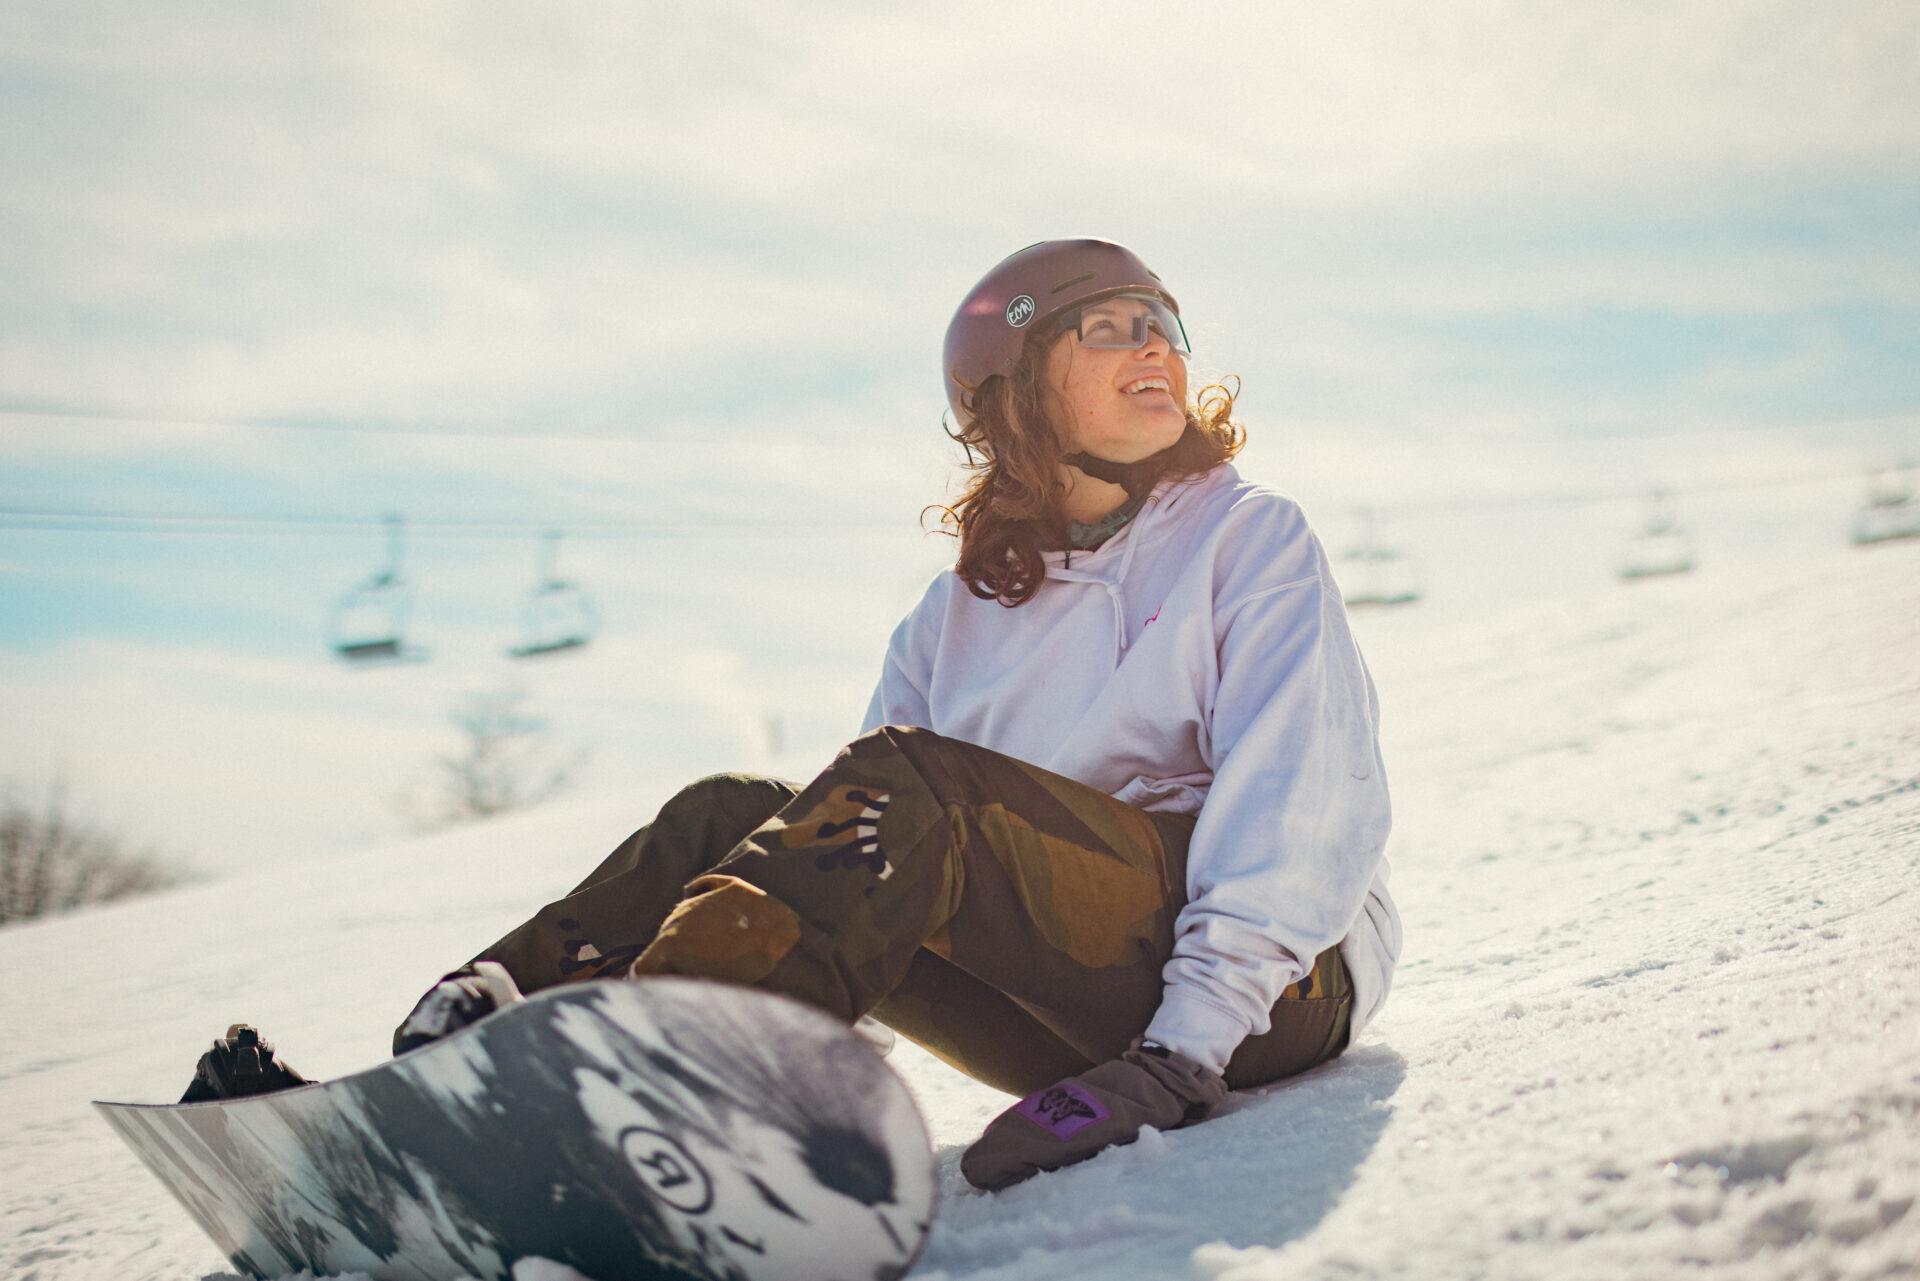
(239, 1064)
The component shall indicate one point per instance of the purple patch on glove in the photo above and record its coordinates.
(1061, 1110)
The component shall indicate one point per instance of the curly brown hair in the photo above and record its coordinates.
(1011, 508)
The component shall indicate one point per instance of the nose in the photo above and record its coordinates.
(1155, 344)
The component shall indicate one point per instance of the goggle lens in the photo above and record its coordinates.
(1126, 321)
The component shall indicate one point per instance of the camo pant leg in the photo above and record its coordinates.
(975, 1028)
(609, 918)
(1040, 896)
(992, 1038)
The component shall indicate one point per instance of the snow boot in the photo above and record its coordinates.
(463, 997)
(239, 1064)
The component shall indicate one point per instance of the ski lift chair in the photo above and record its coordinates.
(557, 615)
(1371, 574)
(1892, 509)
(1662, 546)
(369, 624)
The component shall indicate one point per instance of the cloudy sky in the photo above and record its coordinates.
(672, 278)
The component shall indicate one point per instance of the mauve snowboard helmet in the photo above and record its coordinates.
(1022, 294)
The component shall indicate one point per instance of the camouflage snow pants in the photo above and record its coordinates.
(1012, 921)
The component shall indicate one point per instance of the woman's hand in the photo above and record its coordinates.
(1100, 1108)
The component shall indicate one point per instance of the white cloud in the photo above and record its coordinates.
(456, 212)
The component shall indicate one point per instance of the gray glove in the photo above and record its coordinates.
(1100, 1108)
(463, 997)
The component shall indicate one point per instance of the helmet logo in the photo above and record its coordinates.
(1020, 310)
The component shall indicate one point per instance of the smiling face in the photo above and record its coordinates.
(1117, 403)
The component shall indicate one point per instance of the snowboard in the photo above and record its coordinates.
(670, 1128)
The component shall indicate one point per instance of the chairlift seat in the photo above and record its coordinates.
(1379, 576)
(1663, 546)
(1884, 522)
(557, 616)
(547, 647)
(1373, 573)
(1653, 555)
(367, 651)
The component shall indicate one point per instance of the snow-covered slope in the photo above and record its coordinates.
(1659, 1012)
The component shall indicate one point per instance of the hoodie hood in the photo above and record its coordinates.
(1108, 563)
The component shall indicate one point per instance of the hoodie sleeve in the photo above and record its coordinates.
(901, 696)
(1292, 831)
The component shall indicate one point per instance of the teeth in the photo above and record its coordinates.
(1148, 384)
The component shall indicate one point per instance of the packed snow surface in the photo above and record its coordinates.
(1658, 1015)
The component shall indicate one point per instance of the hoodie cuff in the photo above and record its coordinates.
(1196, 1028)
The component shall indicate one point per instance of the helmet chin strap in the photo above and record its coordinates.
(1125, 475)
(1133, 477)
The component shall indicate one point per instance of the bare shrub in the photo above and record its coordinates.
(507, 762)
(49, 863)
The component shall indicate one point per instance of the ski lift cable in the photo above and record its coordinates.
(79, 520)
(1589, 498)
(67, 417)
(105, 418)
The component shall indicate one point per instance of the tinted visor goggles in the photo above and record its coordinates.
(1127, 321)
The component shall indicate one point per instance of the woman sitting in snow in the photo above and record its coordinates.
(1111, 838)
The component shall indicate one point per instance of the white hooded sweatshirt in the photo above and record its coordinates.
(1198, 661)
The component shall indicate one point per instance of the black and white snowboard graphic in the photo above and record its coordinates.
(671, 1128)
